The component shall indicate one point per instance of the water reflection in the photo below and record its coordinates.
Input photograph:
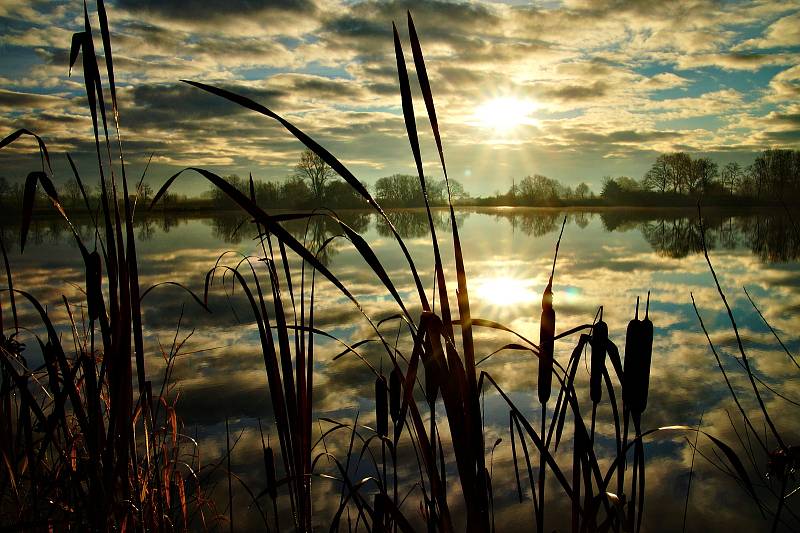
(770, 236)
(607, 258)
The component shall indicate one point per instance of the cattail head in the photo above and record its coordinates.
(269, 466)
(395, 393)
(381, 406)
(599, 344)
(379, 518)
(646, 348)
(631, 390)
(547, 329)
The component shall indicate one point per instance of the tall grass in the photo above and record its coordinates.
(452, 379)
(102, 451)
(86, 443)
(775, 459)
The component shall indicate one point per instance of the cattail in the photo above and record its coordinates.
(269, 465)
(94, 279)
(646, 347)
(547, 333)
(431, 382)
(395, 393)
(633, 359)
(599, 344)
(381, 406)
(432, 363)
(379, 518)
(547, 330)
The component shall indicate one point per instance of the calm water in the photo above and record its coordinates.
(606, 259)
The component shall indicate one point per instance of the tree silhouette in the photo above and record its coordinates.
(316, 172)
(731, 176)
(146, 192)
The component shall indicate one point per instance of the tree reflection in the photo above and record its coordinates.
(530, 222)
(167, 222)
(316, 231)
(413, 224)
(676, 238)
(772, 237)
(146, 229)
(230, 228)
(580, 219)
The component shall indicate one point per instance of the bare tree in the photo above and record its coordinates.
(659, 175)
(703, 173)
(731, 176)
(457, 192)
(315, 171)
(146, 192)
(680, 164)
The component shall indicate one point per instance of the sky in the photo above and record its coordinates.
(574, 89)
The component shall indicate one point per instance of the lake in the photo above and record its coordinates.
(606, 258)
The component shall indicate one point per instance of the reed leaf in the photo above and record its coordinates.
(330, 160)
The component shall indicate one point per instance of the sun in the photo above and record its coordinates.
(504, 114)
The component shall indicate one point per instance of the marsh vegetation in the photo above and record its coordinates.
(377, 372)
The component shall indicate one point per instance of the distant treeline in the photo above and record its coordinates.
(294, 192)
(673, 179)
(398, 190)
(314, 184)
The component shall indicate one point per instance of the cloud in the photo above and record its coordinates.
(736, 60)
(665, 80)
(596, 90)
(14, 99)
(786, 84)
(601, 75)
(208, 9)
(208, 15)
(784, 32)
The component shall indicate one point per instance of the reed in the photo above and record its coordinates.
(105, 453)
(599, 346)
(780, 461)
(85, 448)
(450, 371)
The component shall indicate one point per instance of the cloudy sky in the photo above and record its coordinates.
(572, 89)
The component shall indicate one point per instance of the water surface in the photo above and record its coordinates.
(607, 258)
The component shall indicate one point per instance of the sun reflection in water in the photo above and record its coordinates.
(503, 291)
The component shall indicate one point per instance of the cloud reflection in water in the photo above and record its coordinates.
(606, 259)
